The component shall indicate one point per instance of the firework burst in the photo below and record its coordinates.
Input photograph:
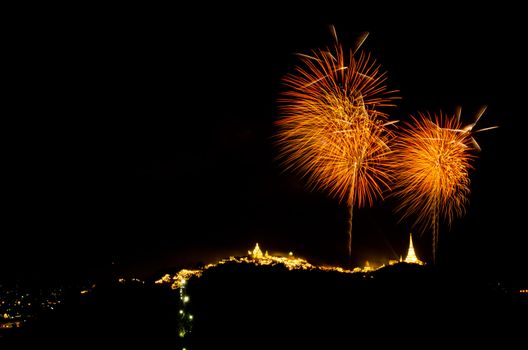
(332, 131)
(431, 161)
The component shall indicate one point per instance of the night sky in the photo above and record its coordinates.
(143, 137)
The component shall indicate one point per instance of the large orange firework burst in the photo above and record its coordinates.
(331, 130)
(432, 159)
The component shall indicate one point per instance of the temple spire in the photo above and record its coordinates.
(411, 256)
(257, 253)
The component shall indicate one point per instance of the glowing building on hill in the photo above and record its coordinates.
(411, 256)
(256, 253)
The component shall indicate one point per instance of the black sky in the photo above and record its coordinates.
(143, 136)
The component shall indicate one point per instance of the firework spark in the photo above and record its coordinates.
(432, 159)
(331, 130)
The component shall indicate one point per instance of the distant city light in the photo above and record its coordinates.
(18, 305)
(186, 299)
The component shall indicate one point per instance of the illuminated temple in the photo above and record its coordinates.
(411, 255)
(257, 253)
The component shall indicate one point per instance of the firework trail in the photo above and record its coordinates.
(331, 130)
(431, 163)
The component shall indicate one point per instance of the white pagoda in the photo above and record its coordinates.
(411, 256)
(257, 253)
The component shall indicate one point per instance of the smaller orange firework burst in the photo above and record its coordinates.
(431, 163)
